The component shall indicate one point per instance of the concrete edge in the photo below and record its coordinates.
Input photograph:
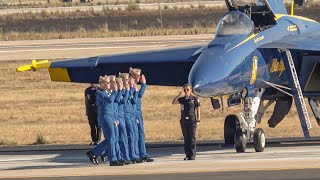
(273, 142)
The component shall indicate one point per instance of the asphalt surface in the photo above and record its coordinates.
(297, 174)
(78, 48)
(295, 160)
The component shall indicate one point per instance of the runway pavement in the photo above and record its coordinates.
(77, 48)
(282, 162)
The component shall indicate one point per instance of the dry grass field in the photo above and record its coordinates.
(115, 23)
(78, 2)
(32, 105)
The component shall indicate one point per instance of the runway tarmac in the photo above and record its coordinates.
(282, 162)
(78, 48)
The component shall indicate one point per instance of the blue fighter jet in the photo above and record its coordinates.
(259, 53)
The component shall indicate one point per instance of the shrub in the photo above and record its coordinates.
(133, 6)
(41, 139)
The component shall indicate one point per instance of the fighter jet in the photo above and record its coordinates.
(259, 53)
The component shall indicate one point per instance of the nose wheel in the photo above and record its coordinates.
(259, 140)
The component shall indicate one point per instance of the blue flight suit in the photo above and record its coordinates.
(105, 102)
(128, 109)
(123, 137)
(134, 118)
(116, 128)
(141, 142)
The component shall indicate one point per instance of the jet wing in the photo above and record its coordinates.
(169, 67)
(308, 42)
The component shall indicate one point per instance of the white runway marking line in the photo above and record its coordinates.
(100, 43)
(30, 158)
(66, 49)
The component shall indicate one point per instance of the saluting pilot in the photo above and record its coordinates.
(190, 119)
(105, 102)
(122, 98)
(116, 121)
(136, 74)
(128, 116)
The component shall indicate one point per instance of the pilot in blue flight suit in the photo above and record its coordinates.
(105, 102)
(123, 138)
(116, 127)
(128, 116)
(135, 73)
(134, 119)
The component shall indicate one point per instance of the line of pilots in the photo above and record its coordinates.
(120, 117)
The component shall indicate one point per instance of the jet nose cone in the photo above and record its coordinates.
(208, 74)
(197, 80)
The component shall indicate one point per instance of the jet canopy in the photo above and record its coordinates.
(235, 23)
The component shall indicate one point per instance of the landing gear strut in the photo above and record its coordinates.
(243, 128)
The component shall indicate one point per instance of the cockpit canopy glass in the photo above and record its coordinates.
(235, 23)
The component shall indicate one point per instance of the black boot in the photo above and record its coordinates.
(92, 158)
(103, 159)
(139, 160)
(125, 162)
(147, 159)
(116, 163)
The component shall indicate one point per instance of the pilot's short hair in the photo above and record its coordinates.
(187, 85)
(124, 75)
(112, 78)
(134, 71)
(104, 79)
(119, 80)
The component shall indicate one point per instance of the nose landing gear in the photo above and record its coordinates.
(242, 129)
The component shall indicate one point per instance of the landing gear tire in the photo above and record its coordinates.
(240, 141)
(230, 125)
(259, 140)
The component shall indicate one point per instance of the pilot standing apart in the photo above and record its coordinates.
(92, 113)
(190, 119)
(135, 73)
(105, 102)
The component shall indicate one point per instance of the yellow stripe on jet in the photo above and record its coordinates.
(59, 74)
(247, 39)
(278, 16)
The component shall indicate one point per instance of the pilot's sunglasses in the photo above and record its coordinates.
(186, 90)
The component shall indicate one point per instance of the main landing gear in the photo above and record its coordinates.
(239, 130)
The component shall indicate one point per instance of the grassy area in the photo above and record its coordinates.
(101, 33)
(108, 23)
(51, 3)
(35, 110)
(115, 23)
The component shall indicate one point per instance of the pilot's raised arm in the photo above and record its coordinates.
(175, 100)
